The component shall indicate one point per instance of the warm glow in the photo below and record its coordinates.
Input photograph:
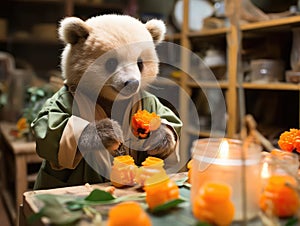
(224, 149)
(265, 171)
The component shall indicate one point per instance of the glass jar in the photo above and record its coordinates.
(222, 161)
(279, 194)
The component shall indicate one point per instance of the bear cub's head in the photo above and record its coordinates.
(112, 55)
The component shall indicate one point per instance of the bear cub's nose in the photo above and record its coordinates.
(130, 86)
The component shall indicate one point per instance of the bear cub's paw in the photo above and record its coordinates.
(161, 142)
(105, 133)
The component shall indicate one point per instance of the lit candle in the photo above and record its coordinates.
(220, 161)
(265, 171)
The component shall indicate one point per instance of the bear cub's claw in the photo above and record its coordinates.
(161, 142)
(105, 133)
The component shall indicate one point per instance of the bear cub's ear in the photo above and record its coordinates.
(72, 29)
(157, 29)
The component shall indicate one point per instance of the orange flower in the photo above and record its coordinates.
(160, 193)
(123, 171)
(290, 140)
(280, 198)
(22, 124)
(213, 205)
(128, 213)
(143, 122)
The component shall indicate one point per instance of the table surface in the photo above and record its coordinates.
(179, 216)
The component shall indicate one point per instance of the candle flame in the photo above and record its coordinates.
(224, 149)
(265, 171)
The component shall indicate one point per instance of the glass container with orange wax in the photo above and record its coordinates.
(279, 195)
(157, 184)
(217, 160)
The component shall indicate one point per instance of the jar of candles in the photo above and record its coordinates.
(230, 163)
(280, 195)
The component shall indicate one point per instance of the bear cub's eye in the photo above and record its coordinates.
(111, 65)
(140, 64)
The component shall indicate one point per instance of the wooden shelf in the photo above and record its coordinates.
(173, 37)
(272, 86)
(165, 82)
(209, 32)
(287, 21)
(208, 84)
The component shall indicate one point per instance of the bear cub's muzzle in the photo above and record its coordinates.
(130, 87)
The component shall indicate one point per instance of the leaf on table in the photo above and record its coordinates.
(55, 211)
(202, 224)
(99, 195)
(167, 205)
(292, 221)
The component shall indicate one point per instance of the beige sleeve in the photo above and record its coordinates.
(68, 155)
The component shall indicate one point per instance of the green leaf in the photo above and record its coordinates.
(34, 217)
(292, 221)
(167, 205)
(40, 92)
(99, 195)
(55, 211)
(74, 206)
(202, 224)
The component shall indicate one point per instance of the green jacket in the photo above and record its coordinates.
(49, 130)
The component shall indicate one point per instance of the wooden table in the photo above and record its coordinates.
(179, 215)
(16, 155)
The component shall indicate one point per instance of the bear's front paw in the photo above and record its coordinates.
(105, 133)
(161, 142)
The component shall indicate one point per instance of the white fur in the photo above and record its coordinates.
(87, 41)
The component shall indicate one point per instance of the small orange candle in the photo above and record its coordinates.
(213, 205)
(279, 196)
(128, 213)
(160, 193)
(123, 171)
(153, 162)
(151, 171)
